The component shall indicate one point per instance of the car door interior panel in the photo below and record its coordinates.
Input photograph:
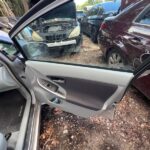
(82, 90)
(87, 93)
(73, 88)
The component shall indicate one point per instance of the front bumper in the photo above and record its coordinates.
(62, 43)
(67, 46)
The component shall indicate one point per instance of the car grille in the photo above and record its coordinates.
(56, 38)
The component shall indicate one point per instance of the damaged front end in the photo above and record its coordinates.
(61, 35)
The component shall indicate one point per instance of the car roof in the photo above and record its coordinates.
(5, 37)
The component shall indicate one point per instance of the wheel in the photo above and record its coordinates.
(115, 59)
(94, 35)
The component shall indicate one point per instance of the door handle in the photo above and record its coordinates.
(57, 80)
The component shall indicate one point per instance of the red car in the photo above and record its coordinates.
(125, 39)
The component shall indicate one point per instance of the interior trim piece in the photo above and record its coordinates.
(114, 98)
(23, 126)
(87, 93)
(34, 138)
(55, 93)
(63, 70)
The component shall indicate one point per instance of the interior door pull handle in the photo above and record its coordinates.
(56, 100)
(57, 79)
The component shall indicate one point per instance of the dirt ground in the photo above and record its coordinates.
(129, 130)
(90, 54)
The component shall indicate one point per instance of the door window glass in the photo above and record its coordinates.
(58, 36)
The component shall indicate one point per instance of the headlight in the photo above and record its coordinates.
(75, 32)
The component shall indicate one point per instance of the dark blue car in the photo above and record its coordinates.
(95, 16)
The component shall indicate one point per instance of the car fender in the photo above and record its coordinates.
(119, 45)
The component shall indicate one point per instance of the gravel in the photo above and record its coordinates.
(129, 129)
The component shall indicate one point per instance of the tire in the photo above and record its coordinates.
(115, 58)
(94, 35)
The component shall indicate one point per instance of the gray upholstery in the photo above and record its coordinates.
(6, 81)
(3, 142)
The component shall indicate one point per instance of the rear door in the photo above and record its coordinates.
(139, 41)
(78, 82)
(141, 28)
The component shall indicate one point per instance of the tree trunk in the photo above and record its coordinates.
(25, 5)
(5, 9)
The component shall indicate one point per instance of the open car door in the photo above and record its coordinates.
(46, 37)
